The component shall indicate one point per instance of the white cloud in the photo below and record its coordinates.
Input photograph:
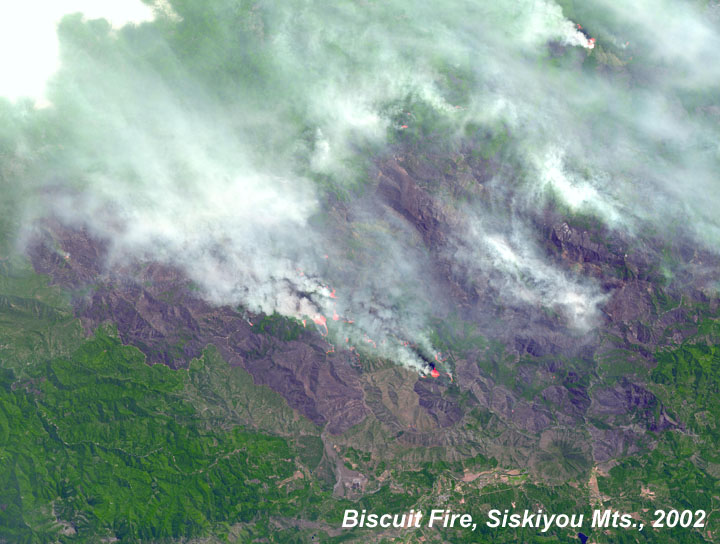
(28, 39)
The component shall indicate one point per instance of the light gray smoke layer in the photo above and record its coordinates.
(210, 138)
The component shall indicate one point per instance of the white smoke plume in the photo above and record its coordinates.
(212, 136)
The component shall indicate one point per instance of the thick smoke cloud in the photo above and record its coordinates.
(213, 138)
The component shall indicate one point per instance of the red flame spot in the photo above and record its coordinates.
(579, 26)
(434, 373)
(304, 323)
(404, 126)
(370, 341)
(332, 294)
(321, 320)
(335, 316)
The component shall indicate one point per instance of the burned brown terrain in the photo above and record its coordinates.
(641, 313)
(155, 309)
(546, 379)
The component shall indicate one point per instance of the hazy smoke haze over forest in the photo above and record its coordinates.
(215, 135)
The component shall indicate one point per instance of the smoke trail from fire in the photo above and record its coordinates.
(237, 141)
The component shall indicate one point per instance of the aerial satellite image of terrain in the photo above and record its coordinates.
(359, 271)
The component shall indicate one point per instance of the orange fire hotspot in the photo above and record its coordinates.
(322, 321)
